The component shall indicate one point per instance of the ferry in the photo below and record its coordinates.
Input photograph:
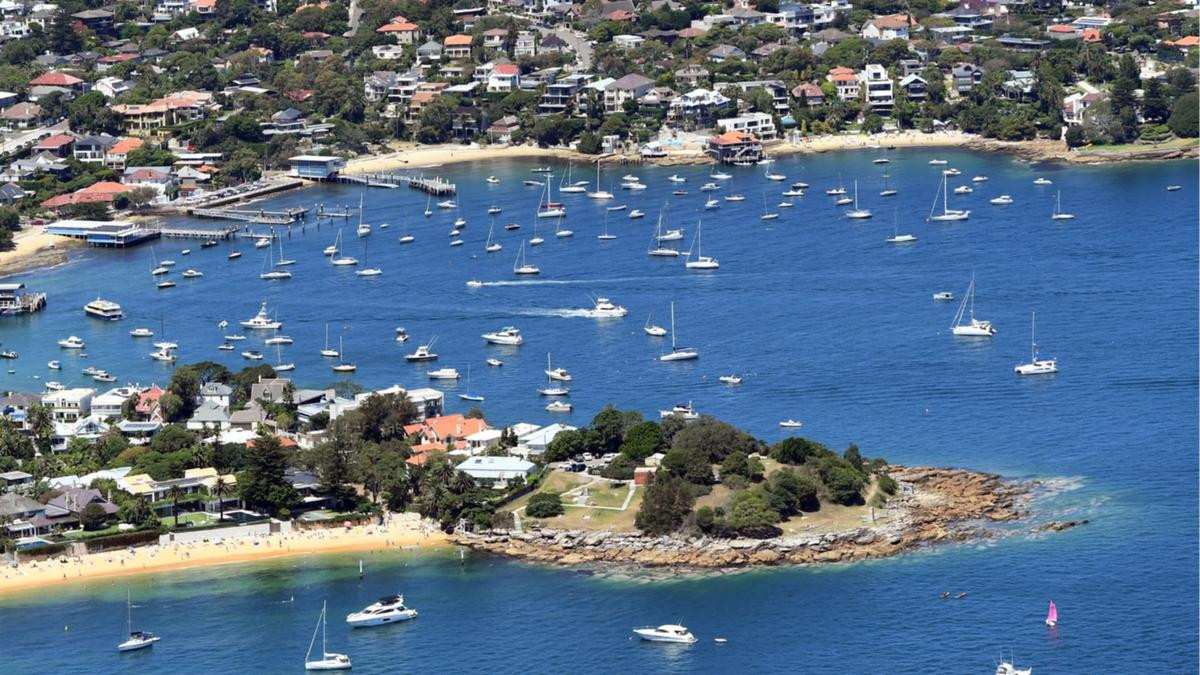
(103, 309)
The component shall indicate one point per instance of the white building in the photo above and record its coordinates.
(877, 85)
(497, 469)
(109, 403)
(482, 441)
(69, 405)
(534, 442)
(760, 125)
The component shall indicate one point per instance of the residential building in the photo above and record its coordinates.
(559, 97)
(216, 392)
(691, 76)
(56, 81)
(68, 405)
(316, 167)
(535, 441)
(878, 87)
(15, 480)
(628, 88)
(109, 404)
(194, 481)
(699, 106)
(117, 154)
(1021, 85)
(495, 38)
(723, 52)
(502, 130)
(775, 88)
(446, 432)
(209, 415)
(497, 470)
(21, 116)
(112, 87)
(756, 124)
(526, 44)
(505, 77)
(810, 93)
(403, 32)
(152, 118)
(1075, 105)
(846, 82)
(915, 87)
(734, 146)
(887, 28)
(965, 76)
(457, 47)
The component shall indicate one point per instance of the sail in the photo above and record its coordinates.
(1052, 616)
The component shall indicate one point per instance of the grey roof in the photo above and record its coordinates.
(630, 82)
(216, 389)
(12, 504)
(210, 411)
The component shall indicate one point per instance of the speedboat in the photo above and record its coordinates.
(712, 204)
(559, 406)
(938, 162)
(262, 320)
(235, 337)
(389, 609)
(234, 256)
(636, 213)
(72, 342)
(1002, 200)
(52, 385)
(443, 374)
(54, 365)
(709, 187)
(793, 193)
(168, 284)
(791, 424)
(163, 354)
(785, 205)
(799, 185)
(508, 335)
(252, 355)
(730, 379)
(190, 273)
(604, 309)
(474, 283)
(1042, 181)
(494, 209)
(666, 633)
(447, 204)
(494, 362)
(684, 410)
(963, 190)
(676, 178)
(1006, 668)
(401, 334)
(138, 639)
(262, 242)
(512, 226)
(1174, 188)
(943, 296)
(279, 340)
(734, 198)
(226, 347)
(952, 172)
(979, 179)
(423, 353)
(492, 180)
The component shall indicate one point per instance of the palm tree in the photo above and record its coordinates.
(176, 492)
(220, 489)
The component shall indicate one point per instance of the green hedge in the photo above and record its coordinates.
(138, 538)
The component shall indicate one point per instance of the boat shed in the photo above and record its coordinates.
(316, 167)
(109, 234)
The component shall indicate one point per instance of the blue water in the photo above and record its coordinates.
(829, 324)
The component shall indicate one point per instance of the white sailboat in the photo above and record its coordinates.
(856, 212)
(560, 231)
(340, 260)
(896, 237)
(468, 396)
(269, 268)
(552, 374)
(605, 236)
(138, 639)
(598, 193)
(428, 203)
(342, 366)
(280, 366)
(1035, 366)
(547, 207)
(947, 214)
(887, 190)
(767, 215)
(329, 660)
(656, 247)
(282, 261)
(331, 353)
(490, 246)
(702, 262)
(976, 327)
(653, 329)
(407, 237)
(1059, 214)
(568, 187)
(678, 353)
(521, 266)
(367, 271)
(363, 229)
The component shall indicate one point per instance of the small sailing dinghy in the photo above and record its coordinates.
(329, 660)
(1052, 615)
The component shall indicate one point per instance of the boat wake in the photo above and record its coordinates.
(561, 313)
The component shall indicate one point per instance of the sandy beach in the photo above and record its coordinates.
(397, 533)
(34, 248)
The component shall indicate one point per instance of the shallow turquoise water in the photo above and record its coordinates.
(830, 326)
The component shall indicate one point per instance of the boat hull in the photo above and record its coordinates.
(358, 620)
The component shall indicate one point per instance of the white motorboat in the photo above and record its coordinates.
(508, 335)
(474, 283)
(1174, 188)
(976, 327)
(234, 256)
(262, 320)
(784, 205)
(103, 376)
(1042, 181)
(190, 273)
(262, 242)
(226, 347)
(676, 178)
(103, 309)
(443, 374)
(604, 309)
(165, 284)
(683, 410)
(1006, 668)
(730, 379)
(636, 213)
(776, 177)
(1002, 200)
(735, 198)
(423, 353)
(493, 210)
(678, 353)
(951, 172)
(52, 385)
(252, 355)
(720, 175)
(938, 162)
(800, 185)
(235, 337)
(54, 365)
(666, 633)
(712, 204)
(389, 609)
(138, 639)
(653, 329)
(186, 251)
(701, 262)
(492, 180)
(329, 660)
(559, 407)
(1059, 214)
(791, 424)
(556, 374)
(1036, 366)
(494, 362)
(963, 190)
(456, 242)
(521, 266)
(72, 342)
(279, 340)
(979, 179)
(793, 193)
(943, 296)
(856, 212)
(947, 214)
(709, 187)
(401, 334)
(447, 204)
(163, 354)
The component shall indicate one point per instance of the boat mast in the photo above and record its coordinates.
(128, 612)
(672, 325)
(1033, 337)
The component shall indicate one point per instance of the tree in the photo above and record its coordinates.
(141, 196)
(797, 450)
(381, 467)
(844, 484)
(790, 493)
(333, 468)
(40, 422)
(570, 443)
(176, 493)
(62, 38)
(10, 219)
(1185, 120)
(750, 515)
(91, 211)
(689, 464)
(589, 143)
(714, 438)
(221, 489)
(93, 517)
(545, 505)
(642, 440)
(665, 507)
(611, 424)
(261, 482)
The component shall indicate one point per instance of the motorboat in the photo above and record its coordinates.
(262, 320)
(52, 385)
(423, 352)
(720, 175)
(492, 180)
(163, 354)
(604, 309)
(793, 193)
(676, 178)
(456, 242)
(843, 201)
(252, 355)
(1002, 200)
(735, 198)
(712, 204)
(186, 251)
(443, 374)
(226, 347)
(474, 283)
(938, 162)
(91, 371)
(630, 178)
(190, 273)
(72, 342)
(541, 169)
(407, 239)
(666, 633)
(1174, 188)
(963, 190)
(279, 340)
(54, 365)
(262, 242)
(636, 213)
(617, 207)
(494, 362)
(1007, 668)
(943, 296)
(785, 205)
(709, 187)
(559, 407)
(1042, 181)
(791, 424)
(234, 256)
(388, 609)
(979, 179)
(966, 309)
(103, 376)
(951, 172)
(235, 337)
(329, 660)
(401, 334)
(493, 209)
(730, 379)
(10, 354)
(1036, 366)
(447, 204)
(800, 185)
(165, 284)
(508, 335)
(208, 243)
(512, 226)
(103, 309)
(683, 410)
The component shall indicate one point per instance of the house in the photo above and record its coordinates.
(505, 77)
(887, 28)
(496, 38)
(629, 88)
(430, 51)
(723, 52)
(109, 404)
(446, 431)
(106, 63)
(756, 124)
(534, 442)
(497, 470)
(734, 146)
(965, 76)
(1021, 85)
(156, 177)
(526, 44)
(152, 118)
(56, 81)
(480, 442)
(502, 130)
(809, 93)
(66, 509)
(915, 87)
(147, 408)
(58, 145)
(700, 106)
(21, 116)
(209, 415)
(68, 405)
(316, 167)
(846, 82)
(552, 43)
(1075, 105)
(559, 96)
(403, 32)
(117, 154)
(194, 481)
(627, 41)
(15, 480)
(762, 53)
(457, 47)
(1063, 32)
(877, 84)
(18, 510)
(96, 20)
(112, 87)
(691, 76)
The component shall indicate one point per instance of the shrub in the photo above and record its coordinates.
(797, 451)
(844, 484)
(667, 503)
(93, 517)
(545, 505)
(751, 515)
(887, 484)
(1185, 116)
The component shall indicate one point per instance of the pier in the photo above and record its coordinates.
(198, 232)
(257, 216)
(433, 186)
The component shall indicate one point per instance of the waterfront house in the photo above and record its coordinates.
(504, 77)
(629, 88)
(754, 124)
(877, 84)
(209, 415)
(75, 481)
(734, 146)
(148, 408)
(502, 130)
(809, 94)
(117, 154)
(846, 82)
(151, 119)
(1075, 105)
(497, 470)
(534, 442)
(68, 405)
(447, 430)
(965, 76)
(698, 107)
(15, 407)
(1021, 86)
(17, 510)
(915, 87)
(316, 167)
(482, 441)
(109, 404)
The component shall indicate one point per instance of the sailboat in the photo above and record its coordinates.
(856, 212)
(331, 353)
(976, 328)
(535, 240)
(767, 215)
(598, 193)
(520, 266)
(332, 249)
(1059, 214)
(367, 271)
(1036, 367)
(566, 186)
(653, 329)
(678, 353)
(428, 203)
(837, 191)
(896, 237)
(553, 374)
(155, 268)
(1052, 615)
(269, 272)
(342, 366)
(283, 262)
(605, 236)
(468, 396)
(560, 232)
(702, 262)
(138, 639)
(490, 246)
(656, 248)
(947, 213)
(547, 207)
(363, 229)
(329, 660)
(407, 237)
(887, 190)
(337, 260)
(280, 366)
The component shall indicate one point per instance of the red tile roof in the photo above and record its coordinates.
(54, 79)
(55, 142)
(505, 69)
(458, 41)
(733, 138)
(401, 27)
(125, 146)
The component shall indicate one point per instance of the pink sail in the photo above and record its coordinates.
(1052, 616)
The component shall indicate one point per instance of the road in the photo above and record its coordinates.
(579, 43)
(356, 13)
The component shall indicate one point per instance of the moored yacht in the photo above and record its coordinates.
(1036, 366)
(72, 342)
(423, 352)
(975, 327)
(443, 374)
(666, 633)
(604, 309)
(1002, 200)
(389, 609)
(508, 335)
(262, 320)
(684, 410)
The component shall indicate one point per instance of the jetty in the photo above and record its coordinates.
(433, 186)
(323, 212)
(13, 302)
(257, 216)
(198, 232)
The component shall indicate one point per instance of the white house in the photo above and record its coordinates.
(68, 405)
(218, 393)
(482, 441)
(498, 469)
(756, 124)
(210, 415)
(109, 403)
(878, 87)
(505, 77)
(534, 442)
